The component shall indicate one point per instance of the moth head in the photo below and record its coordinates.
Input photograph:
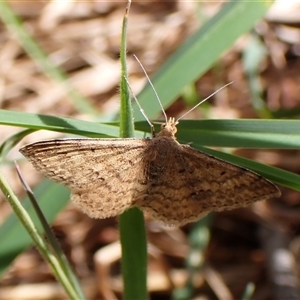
(169, 128)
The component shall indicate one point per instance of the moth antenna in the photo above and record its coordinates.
(218, 90)
(152, 86)
(141, 110)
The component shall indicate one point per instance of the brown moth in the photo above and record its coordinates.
(173, 183)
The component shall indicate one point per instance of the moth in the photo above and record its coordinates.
(173, 183)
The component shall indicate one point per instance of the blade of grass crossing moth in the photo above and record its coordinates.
(132, 224)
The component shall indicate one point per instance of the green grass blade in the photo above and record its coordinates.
(67, 125)
(10, 142)
(37, 237)
(14, 239)
(199, 53)
(51, 241)
(132, 223)
(246, 133)
(134, 254)
(126, 119)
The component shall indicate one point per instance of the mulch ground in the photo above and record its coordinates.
(83, 38)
